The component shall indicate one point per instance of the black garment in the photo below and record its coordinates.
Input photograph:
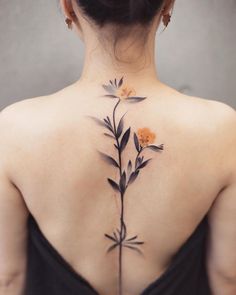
(49, 274)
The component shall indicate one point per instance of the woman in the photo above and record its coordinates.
(118, 184)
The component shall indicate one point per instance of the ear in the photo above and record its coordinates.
(68, 9)
(167, 7)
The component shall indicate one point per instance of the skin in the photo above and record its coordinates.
(50, 168)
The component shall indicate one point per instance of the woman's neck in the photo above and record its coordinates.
(136, 65)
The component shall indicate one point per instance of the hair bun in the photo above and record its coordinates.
(120, 11)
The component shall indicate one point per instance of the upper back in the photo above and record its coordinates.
(58, 166)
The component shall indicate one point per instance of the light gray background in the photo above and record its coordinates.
(38, 55)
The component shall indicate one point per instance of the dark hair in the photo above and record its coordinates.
(121, 12)
(126, 17)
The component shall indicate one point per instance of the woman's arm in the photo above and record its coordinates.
(222, 243)
(13, 221)
(221, 259)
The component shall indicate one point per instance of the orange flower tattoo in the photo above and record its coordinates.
(125, 91)
(116, 89)
(145, 137)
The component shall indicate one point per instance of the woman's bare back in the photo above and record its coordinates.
(63, 178)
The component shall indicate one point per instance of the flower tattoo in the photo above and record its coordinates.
(143, 139)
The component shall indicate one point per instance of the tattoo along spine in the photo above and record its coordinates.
(143, 139)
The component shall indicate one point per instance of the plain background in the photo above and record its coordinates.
(39, 56)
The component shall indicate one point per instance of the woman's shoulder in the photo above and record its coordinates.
(32, 107)
(213, 114)
(23, 108)
(201, 110)
(27, 111)
(22, 120)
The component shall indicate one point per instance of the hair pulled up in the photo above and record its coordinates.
(120, 12)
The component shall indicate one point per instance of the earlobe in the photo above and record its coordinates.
(166, 19)
(71, 18)
(167, 12)
(70, 15)
(168, 7)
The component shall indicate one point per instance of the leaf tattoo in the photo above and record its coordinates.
(143, 139)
